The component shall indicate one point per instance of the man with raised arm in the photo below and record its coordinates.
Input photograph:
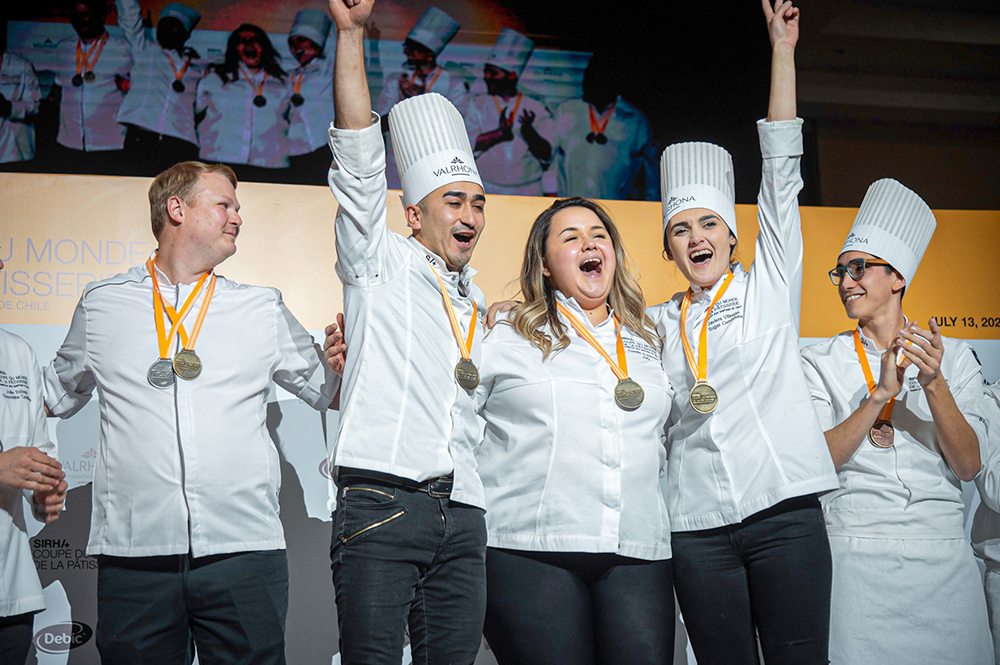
(900, 406)
(409, 535)
(185, 526)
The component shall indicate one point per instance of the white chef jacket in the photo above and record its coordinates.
(906, 587)
(986, 523)
(401, 410)
(508, 167)
(88, 115)
(309, 123)
(763, 444)
(191, 467)
(564, 467)
(22, 423)
(611, 170)
(452, 86)
(19, 84)
(235, 130)
(151, 102)
(907, 491)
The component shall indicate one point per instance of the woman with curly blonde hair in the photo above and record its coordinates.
(578, 558)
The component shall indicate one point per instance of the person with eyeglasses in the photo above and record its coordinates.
(899, 406)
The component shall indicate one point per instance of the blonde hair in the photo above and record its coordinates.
(539, 304)
(180, 180)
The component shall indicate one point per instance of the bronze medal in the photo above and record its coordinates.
(881, 434)
(90, 77)
(77, 81)
(298, 100)
(703, 398)
(260, 101)
(178, 86)
(161, 374)
(629, 394)
(467, 374)
(187, 365)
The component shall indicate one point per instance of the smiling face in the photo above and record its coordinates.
(580, 257)
(449, 221)
(876, 294)
(211, 220)
(700, 243)
(304, 49)
(250, 49)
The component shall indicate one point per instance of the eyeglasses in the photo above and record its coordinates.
(856, 269)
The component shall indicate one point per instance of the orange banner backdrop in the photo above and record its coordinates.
(57, 233)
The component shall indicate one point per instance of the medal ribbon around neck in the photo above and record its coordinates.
(257, 89)
(517, 105)
(882, 438)
(297, 86)
(628, 393)
(598, 125)
(83, 57)
(466, 372)
(178, 75)
(189, 364)
(703, 399)
(429, 84)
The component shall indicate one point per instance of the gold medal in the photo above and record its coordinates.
(161, 373)
(703, 398)
(187, 364)
(466, 374)
(881, 434)
(629, 394)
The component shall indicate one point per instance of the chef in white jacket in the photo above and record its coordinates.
(28, 468)
(986, 523)
(899, 407)
(432, 32)
(511, 132)
(311, 86)
(19, 97)
(158, 111)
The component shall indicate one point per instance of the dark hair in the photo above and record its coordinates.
(228, 70)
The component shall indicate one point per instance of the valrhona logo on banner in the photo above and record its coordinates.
(62, 637)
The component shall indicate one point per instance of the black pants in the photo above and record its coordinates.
(768, 576)
(151, 610)
(147, 153)
(15, 638)
(557, 608)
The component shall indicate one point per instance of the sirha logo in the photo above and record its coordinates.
(675, 202)
(457, 166)
(855, 239)
(62, 637)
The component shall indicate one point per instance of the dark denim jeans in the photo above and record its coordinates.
(768, 576)
(403, 557)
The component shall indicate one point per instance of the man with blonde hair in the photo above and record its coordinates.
(185, 520)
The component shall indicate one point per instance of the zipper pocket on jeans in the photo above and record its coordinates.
(366, 489)
(347, 539)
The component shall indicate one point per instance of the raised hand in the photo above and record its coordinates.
(27, 468)
(350, 14)
(782, 22)
(925, 350)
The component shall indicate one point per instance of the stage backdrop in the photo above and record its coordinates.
(57, 233)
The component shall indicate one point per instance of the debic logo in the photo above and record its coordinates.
(62, 637)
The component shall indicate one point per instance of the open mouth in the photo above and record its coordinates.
(701, 257)
(852, 297)
(592, 266)
(464, 238)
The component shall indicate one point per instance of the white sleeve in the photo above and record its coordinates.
(130, 21)
(778, 254)
(966, 385)
(357, 179)
(26, 102)
(68, 379)
(822, 403)
(988, 480)
(301, 368)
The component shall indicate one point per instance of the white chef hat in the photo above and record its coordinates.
(311, 24)
(434, 29)
(431, 145)
(698, 175)
(511, 52)
(893, 224)
(186, 15)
